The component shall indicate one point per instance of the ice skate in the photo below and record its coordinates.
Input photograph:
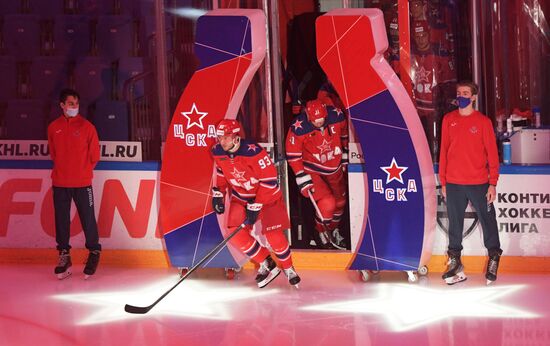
(492, 268)
(63, 266)
(91, 263)
(292, 276)
(455, 270)
(268, 272)
(337, 240)
(326, 242)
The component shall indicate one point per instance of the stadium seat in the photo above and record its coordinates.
(25, 119)
(8, 87)
(10, 7)
(50, 8)
(114, 36)
(93, 78)
(130, 67)
(91, 7)
(72, 36)
(108, 7)
(111, 120)
(22, 35)
(48, 76)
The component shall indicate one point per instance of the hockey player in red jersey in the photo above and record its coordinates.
(418, 9)
(316, 150)
(433, 75)
(247, 176)
(441, 20)
(392, 53)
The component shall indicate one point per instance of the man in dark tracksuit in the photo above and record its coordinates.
(468, 171)
(74, 149)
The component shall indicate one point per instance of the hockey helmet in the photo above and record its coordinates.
(228, 127)
(315, 111)
(421, 27)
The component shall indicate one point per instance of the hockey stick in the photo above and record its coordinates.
(314, 204)
(296, 90)
(321, 217)
(144, 309)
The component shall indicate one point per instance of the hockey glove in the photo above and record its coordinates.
(345, 157)
(252, 211)
(218, 203)
(304, 183)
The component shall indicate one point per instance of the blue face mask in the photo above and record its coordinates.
(463, 102)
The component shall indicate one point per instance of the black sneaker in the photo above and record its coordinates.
(91, 263)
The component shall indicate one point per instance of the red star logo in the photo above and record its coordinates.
(325, 146)
(252, 147)
(394, 171)
(238, 174)
(194, 117)
(423, 75)
(297, 124)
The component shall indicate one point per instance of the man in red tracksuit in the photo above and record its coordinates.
(317, 151)
(246, 173)
(74, 149)
(468, 171)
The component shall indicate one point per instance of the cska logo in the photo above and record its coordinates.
(194, 118)
(240, 180)
(192, 115)
(397, 192)
(326, 153)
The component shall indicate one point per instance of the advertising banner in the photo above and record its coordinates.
(38, 150)
(126, 210)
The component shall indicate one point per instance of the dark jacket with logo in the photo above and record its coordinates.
(74, 148)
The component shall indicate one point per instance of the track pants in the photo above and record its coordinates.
(457, 201)
(84, 200)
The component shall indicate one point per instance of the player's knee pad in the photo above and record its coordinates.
(279, 245)
(254, 250)
(326, 206)
(322, 224)
(340, 202)
(243, 239)
(276, 240)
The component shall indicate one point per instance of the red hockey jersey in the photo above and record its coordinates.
(317, 150)
(441, 21)
(430, 70)
(248, 174)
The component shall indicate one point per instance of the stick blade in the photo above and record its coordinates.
(131, 309)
